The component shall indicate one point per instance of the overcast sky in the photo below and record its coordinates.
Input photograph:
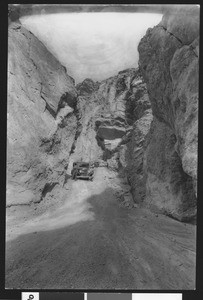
(92, 45)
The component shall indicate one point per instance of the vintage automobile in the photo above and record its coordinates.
(82, 170)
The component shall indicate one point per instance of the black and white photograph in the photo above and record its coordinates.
(102, 147)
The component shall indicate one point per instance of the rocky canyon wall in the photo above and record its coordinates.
(52, 122)
(169, 62)
(42, 122)
(141, 123)
(115, 117)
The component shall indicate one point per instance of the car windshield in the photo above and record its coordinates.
(80, 164)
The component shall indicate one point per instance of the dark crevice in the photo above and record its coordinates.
(67, 176)
(179, 40)
(48, 107)
(185, 219)
(100, 142)
(193, 50)
(33, 63)
(16, 28)
(120, 86)
(47, 189)
(67, 99)
(79, 127)
(170, 33)
(50, 145)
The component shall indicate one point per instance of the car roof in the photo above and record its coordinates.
(79, 163)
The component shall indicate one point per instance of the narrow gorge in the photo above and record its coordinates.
(140, 129)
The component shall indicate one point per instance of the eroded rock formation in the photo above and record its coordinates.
(141, 123)
(41, 118)
(169, 64)
(115, 117)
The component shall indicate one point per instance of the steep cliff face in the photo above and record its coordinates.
(169, 63)
(141, 123)
(42, 122)
(115, 117)
(85, 146)
(52, 123)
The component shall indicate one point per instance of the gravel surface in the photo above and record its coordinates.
(90, 242)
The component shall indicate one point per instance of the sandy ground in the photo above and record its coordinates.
(90, 242)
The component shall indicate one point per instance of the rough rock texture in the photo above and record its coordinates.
(52, 123)
(115, 117)
(150, 142)
(169, 63)
(42, 122)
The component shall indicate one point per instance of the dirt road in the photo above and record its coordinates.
(92, 243)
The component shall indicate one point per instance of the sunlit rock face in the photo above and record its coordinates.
(141, 123)
(52, 123)
(115, 117)
(41, 119)
(169, 59)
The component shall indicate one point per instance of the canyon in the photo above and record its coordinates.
(139, 127)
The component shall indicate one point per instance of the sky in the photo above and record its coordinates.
(92, 45)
